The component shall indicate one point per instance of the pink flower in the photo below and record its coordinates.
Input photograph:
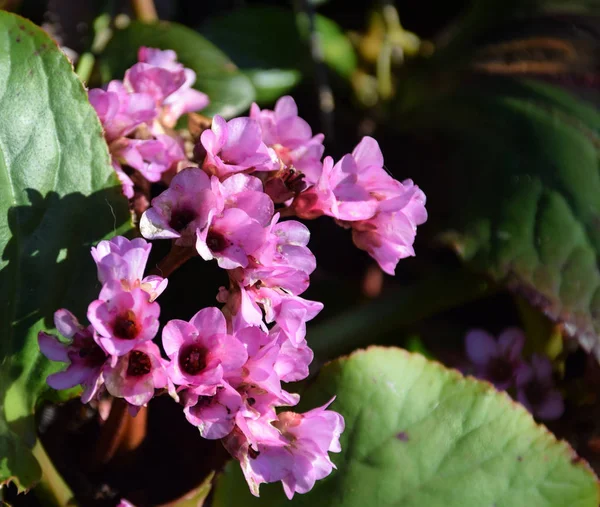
(183, 100)
(230, 238)
(158, 82)
(122, 319)
(291, 137)
(125, 260)
(84, 356)
(236, 227)
(536, 391)
(120, 111)
(202, 354)
(180, 210)
(299, 458)
(126, 182)
(214, 415)
(246, 193)
(286, 246)
(496, 361)
(293, 359)
(151, 157)
(390, 234)
(235, 146)
(136, 374)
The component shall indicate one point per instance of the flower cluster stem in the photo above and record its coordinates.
(144, 10)
(52, 488)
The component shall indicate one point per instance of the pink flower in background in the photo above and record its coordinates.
(184, 99)
(120, 111)
(125, 260)
(122, 319)
(496, 361)
(202, 354)
(291, 137)
(136, 375)
(151, 157)
(536, 390)
(180, 210)
(235, 146)
(85, 357)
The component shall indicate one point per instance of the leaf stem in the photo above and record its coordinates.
(144, 10)
(52, 488)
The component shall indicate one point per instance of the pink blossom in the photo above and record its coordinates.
(286, 246)
(293, 359)
(85, 357)
(183, 100)
(230, 237)
(126, 182)
(291, 137)
(122, 319)
(298, 458)
(390, 234)
(180, 210)
(214, 415)
(202, 354)
(235, 146)
(496, 361)
(125, 260)
(536, 391)
(151, 157)
(319, 199)
(120, 111)
(246, 193)
(136, 375)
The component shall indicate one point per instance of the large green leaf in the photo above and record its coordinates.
(418, 434)
(229, 90)
(58, 195)
(522, 161)
(246, 35)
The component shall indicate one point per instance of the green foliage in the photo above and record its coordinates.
(247, 36)
(58, 196)
(523, 160)
(419, 434)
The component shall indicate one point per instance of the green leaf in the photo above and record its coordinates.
(229, 90)
(247, 36)
(58, 196)
(197, 496)
(523, 162)
(270, 84)
(418, 434)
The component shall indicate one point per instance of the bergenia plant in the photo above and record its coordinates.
(216, 290)
(234, 203)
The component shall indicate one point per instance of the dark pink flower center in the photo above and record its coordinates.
(216, 242)
(126, 326)
(192, 359)
(535, 393)
(139, 364)
(500, 369)
(92, 355)
(181, 218)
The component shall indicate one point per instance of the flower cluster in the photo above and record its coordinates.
(138, 115)
(501, 363)
(229, 202)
